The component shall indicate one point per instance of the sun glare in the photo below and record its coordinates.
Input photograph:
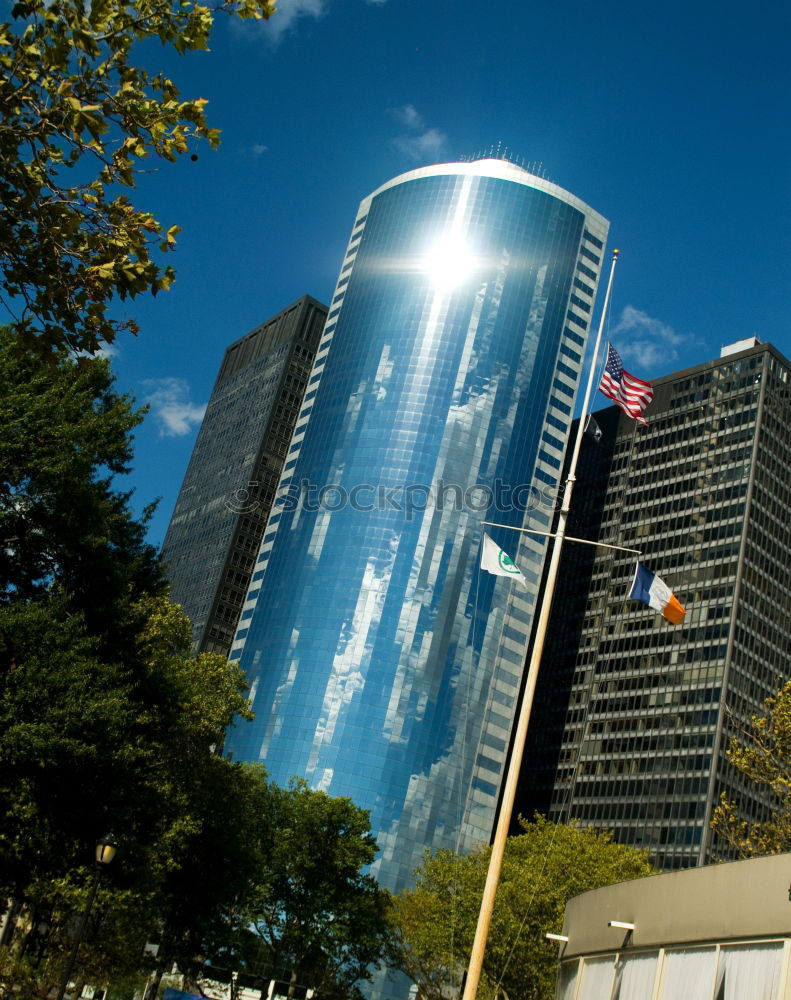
(448, 262)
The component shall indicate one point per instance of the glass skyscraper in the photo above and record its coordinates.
(383, 665)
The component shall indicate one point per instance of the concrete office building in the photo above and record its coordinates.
(633, 715)
(383, 665)
(227, 493)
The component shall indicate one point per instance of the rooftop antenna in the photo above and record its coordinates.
(499, 151)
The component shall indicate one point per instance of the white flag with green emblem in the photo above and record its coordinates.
(494, 560)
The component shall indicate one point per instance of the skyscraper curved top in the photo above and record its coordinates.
(383, 664)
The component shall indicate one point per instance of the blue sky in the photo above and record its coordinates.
(670, 119)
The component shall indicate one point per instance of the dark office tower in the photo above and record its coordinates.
(633, 715)
(218, 522)
(383, 665)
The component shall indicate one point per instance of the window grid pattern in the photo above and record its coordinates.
(633, 716)
(229, 487)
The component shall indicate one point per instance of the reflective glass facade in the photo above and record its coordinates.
(383, 665)
(633, 716)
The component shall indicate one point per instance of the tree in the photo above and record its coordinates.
(64, 526)
(76, 117)
(762, 753)
(106, 719)
(204, 894)
(320, 922)
(542, 868)
(88, 745)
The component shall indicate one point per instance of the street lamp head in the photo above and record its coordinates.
(105, 852)
(106, 849)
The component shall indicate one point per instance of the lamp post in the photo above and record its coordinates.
(106, 849)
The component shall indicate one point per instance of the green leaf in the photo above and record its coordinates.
(77, 114)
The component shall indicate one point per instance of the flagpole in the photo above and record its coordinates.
(475, 965)
(568, 538)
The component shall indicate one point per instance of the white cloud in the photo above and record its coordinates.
(108, 351)
(287, 14)
(259, 148)
(647, 341)
(418, 142)
(285, 17)
(409, 116)
(171, 406)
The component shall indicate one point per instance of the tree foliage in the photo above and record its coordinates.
(76, 119)
(542, 868)
(762, 753)
(204, 893)
(65, 527)
(106, 719)
(320, 921)
(88, 745)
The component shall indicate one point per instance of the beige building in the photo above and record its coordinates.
(722, 932)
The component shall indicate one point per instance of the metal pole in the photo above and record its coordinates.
(568, 538)
(70, 962)
(509, 793)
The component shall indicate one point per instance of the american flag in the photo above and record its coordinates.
(631, 394)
